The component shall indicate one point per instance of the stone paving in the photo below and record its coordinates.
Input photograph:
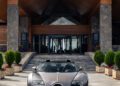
(95, 79)
(19, 79)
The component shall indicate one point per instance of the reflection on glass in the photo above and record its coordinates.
(60, 44)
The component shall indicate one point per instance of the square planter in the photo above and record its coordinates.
(100, 69)
(17, 68)
(116, 74)
(5, 66)
(9, 71)
(108, 71)
(2, 74)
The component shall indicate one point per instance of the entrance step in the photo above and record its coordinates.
(81, 60)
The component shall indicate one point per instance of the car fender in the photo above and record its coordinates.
(82, 77)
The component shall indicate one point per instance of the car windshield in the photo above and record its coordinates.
(57, 67)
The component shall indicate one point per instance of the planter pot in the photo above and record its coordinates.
(108, 71)
(100, 69)
(17, 68)
(5, 66)
(9, 71)
(2, 74)
(116, 74)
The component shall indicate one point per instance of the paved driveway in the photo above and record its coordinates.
(94, 78)
(19, 79)
(102, 80)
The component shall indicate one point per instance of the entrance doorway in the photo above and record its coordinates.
(60, 44)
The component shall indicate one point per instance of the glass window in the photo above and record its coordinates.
(75, 44)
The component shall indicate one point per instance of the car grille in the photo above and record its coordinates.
(57, 85)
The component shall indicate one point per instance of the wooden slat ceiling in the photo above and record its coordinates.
(116, 10)
(3, 10)
(84, 7)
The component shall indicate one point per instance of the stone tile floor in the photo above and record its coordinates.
(19, 79)
(95, 79)
(102, 80)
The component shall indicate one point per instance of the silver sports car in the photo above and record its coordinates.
(57, 73)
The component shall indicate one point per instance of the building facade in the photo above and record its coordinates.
(59, 26)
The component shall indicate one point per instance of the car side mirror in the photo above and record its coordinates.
(34, 69)
(80, 69)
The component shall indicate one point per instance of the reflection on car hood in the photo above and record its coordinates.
(65, 79)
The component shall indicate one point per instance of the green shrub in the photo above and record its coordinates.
(1, 60)
(9, 57)
(17, 57)
(117, 60)
(109, 59)
(99, 57)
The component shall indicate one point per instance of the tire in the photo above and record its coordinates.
(86, 84)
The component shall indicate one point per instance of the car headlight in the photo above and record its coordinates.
(38, 83)
(77, 83)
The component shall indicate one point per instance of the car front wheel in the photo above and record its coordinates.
(86, 84)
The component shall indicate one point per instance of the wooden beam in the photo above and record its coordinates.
(61, 29)
(95, 8)
(13, 2)
(106, 1)
(3, 10)
(22, 12)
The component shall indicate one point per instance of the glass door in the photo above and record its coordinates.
(59, 44)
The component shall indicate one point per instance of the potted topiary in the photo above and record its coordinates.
(116, 72)
(1, 70)
(109, 60)
(9, 58)
(17, 67)
(99, 59)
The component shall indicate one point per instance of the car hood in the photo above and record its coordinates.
(65, 79)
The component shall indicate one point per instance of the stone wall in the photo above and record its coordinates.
(13, 27)
(105, 26)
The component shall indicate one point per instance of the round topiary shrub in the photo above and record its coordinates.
(1, 60)
(117, 60)
(99, 57)
(17, 57)
(109, 59)
(9, 57)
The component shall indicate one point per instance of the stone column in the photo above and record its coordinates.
(13, 25)
(105, 25)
